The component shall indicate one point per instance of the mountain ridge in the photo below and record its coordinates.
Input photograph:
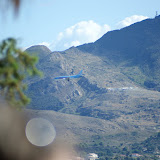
(137, 45)
(118, 86)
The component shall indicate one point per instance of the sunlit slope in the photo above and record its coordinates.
(81, 129)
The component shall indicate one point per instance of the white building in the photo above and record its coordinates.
(92, 156)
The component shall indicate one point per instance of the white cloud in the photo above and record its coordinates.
(86, 32)
(73, 43)
(130, 20)
(80, 33)
(47, 44)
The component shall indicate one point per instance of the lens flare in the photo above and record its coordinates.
(40, 132)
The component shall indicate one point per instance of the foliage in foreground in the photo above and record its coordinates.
(15, 66)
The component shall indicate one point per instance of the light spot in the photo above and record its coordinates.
(40, 132)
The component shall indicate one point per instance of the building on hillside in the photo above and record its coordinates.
(135, 155)
(92, 156)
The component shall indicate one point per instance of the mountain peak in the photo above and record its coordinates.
(39, 50)
(137, 46)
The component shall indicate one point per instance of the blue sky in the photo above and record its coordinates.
(60, 24)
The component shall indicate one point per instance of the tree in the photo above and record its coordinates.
(14, 3)
(15, 66)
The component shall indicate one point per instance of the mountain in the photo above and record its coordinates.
(120, 86)
(39, 51)
(136, 47)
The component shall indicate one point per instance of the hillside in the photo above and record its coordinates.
(119, 91)
(149, 146)
(133, 49)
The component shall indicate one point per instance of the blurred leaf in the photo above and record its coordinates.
(15, 66)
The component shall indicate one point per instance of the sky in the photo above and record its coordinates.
(61, 24)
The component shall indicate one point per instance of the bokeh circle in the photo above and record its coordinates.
(40, 132)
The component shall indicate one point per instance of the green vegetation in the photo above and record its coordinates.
(15, 66)
(135, 74)
(46, 103)
(148, 149)
(150, 146)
